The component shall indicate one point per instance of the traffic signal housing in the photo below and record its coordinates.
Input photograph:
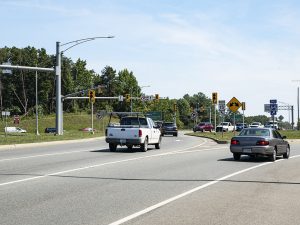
(214, 98)
(127, 97)
(92, 96)
(243, 106)
(157, 97)
(175, 107)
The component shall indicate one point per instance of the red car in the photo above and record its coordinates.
(203, 126)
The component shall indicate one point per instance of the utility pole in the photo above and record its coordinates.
(298, 81)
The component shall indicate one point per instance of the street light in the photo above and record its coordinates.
(131, 105)
(59, 112)
(36, 104)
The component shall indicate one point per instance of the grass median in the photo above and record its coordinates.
(225, 137)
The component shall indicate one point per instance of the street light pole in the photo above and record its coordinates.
(36, 104)
(59, 120)
(59, 105)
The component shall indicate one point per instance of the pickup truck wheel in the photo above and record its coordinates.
(112, 147)
(157, 146)
(144, 147)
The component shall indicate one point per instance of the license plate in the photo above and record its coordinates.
(247, 150)
(123, 141)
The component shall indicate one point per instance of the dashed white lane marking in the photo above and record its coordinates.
(158, 205)
(104, 164)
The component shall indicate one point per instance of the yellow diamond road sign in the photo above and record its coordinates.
(234, 104)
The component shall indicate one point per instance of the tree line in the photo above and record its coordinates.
(17, 90)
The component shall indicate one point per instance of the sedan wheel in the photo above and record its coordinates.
(273, 156)
(236, 156)
(287, 154)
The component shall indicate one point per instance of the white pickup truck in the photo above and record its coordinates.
(224, 127)
(133, 131)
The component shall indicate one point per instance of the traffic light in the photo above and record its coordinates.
(99, 89)
(92, 96)
(243, 105)
(214, 98)
(127, 97)
(157, 97)
(201, 109)
(175, 107)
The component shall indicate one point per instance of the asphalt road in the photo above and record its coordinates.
(189, 180)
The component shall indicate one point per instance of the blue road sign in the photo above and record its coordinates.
(273, 112)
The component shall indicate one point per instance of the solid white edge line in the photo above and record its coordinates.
(99, 165)
(153, 207)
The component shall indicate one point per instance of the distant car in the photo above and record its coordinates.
(88, 129)
(169, 128)
(259, 141)
(240, 126)
(50, 130)
(272, 124)
(14, 130)
(256, 125)
(203, 126)
(224, 127)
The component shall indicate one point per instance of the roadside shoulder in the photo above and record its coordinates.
(50, 143)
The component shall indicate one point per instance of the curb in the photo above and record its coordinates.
(216, 140)
(26, 145)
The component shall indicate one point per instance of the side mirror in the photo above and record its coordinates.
(284, 137)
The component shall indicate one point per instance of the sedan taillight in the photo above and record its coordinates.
(262, 143)
(235, 142)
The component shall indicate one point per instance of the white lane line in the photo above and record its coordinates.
(43, 155)
(158, 205)
(99, 165)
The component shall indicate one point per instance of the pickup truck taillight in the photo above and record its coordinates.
(140, 133)
(262, 143)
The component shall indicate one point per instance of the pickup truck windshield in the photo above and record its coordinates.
(134, 121)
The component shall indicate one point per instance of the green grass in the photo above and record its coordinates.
(72, 124)
(290, 134)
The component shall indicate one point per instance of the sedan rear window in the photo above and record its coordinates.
(255, 132)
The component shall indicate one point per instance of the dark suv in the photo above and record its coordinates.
(203, 126)
(50, 130)
(169, 128)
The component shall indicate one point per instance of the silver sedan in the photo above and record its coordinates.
(259, 141)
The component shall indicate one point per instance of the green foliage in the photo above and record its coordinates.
(17, 91)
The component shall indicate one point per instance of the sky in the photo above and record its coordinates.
(248, 49)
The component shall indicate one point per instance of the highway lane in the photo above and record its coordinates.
(87, 184)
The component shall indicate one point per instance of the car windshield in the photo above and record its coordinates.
(169, 124)
(201, 124)
(255, 132)
(224, 124)
(133, 121)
